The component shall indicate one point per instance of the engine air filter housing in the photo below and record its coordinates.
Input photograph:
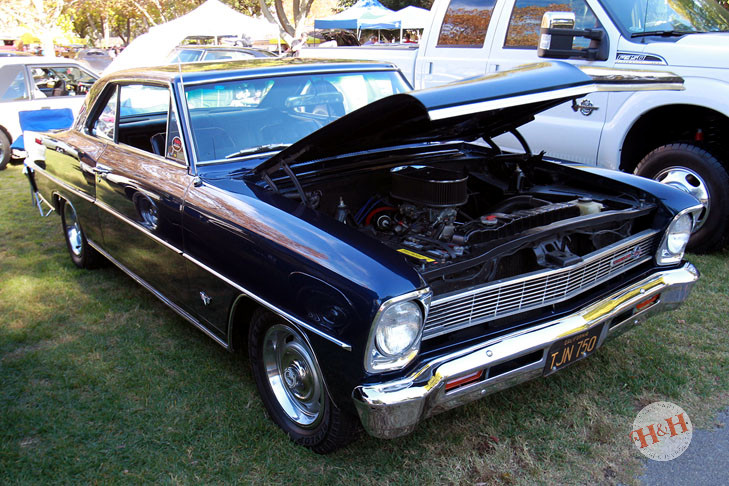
(429, 186)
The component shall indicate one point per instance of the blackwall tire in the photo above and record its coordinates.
(82, 254)
(696, 171)
(5, 150)
(292, 386)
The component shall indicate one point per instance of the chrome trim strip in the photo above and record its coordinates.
(437, 328)
(421, 296)
(137, 226)
(394, 408)
(61, 183)
(694, 210)
(265, 303)
(355, 69)
(161, 297)
(245, 291)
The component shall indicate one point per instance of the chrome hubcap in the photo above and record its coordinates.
(72, 229)
(690, 182)
(293, 375)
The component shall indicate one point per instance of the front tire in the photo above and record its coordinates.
(82, 254)
(292, 386)
(5, 150)
(697, 172)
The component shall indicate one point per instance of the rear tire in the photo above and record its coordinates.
(292, 386)
(82, 254)
(697, 172)
(5, 150)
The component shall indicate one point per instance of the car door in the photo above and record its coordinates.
(458, 46)
(58, 86)
(515, 44)
(142, 178)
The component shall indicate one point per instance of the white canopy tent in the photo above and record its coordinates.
(408, 18)
(212, 18)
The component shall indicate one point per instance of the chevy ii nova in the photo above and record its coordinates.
(378, 254)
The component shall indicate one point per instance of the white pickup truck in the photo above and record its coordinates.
(678, 137)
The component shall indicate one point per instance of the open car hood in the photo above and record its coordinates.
(467, 110)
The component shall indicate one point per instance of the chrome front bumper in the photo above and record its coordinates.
(394, 408)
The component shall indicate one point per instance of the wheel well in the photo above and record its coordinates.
(7, 133)
(57, 200)
(674, 123)
(241, 313)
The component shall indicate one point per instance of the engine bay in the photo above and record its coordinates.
(463, 223)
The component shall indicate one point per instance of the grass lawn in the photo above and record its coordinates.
(101, 383)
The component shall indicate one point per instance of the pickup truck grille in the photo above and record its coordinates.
(495, 300)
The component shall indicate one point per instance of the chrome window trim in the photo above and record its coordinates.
(355, 69)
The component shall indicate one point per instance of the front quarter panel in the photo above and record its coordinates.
(296, 260)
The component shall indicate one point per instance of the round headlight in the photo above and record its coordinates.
(679, 234)
(398, 328)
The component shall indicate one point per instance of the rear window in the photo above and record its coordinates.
(13, 85)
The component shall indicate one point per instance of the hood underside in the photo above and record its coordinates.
(467, 110)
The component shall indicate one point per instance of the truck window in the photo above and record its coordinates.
(526, 19)
(465, 23)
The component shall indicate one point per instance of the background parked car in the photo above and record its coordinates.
(36, 83)
(215, 53)
(98, 59)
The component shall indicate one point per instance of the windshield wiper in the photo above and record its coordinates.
(270, 147)
(662, 33)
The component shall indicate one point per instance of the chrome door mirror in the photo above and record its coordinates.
(557, 35)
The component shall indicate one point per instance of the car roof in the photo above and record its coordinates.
(216, 70)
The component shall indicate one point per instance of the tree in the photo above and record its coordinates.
(291, 31)
(39, 16)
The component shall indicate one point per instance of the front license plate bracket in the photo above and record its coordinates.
(573, 348)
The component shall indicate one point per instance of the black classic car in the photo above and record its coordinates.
(378, 254)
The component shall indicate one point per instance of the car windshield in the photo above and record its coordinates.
(668, 17)
(255, 116)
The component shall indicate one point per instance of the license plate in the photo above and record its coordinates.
(572, 348)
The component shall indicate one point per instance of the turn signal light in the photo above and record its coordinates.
(463, 380)
(647, 302)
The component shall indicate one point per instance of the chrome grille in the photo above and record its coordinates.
(545, 287)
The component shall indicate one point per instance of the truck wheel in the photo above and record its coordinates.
(5, 150)
(697, 172)
(292, 386)
(82, 254)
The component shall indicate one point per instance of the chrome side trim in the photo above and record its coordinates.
(161, 297)
(65, 185)
(265, 303)
(243, 290)
(137, 226)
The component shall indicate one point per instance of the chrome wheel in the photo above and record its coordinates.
(293, 375)
(688, 181)
(72, 228)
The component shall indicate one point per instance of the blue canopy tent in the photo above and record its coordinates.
(362, 15)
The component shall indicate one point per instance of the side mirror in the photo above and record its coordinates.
(557, 36)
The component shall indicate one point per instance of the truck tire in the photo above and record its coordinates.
(82, 254)
(292, 386)
(5, 150)
(697, 172)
